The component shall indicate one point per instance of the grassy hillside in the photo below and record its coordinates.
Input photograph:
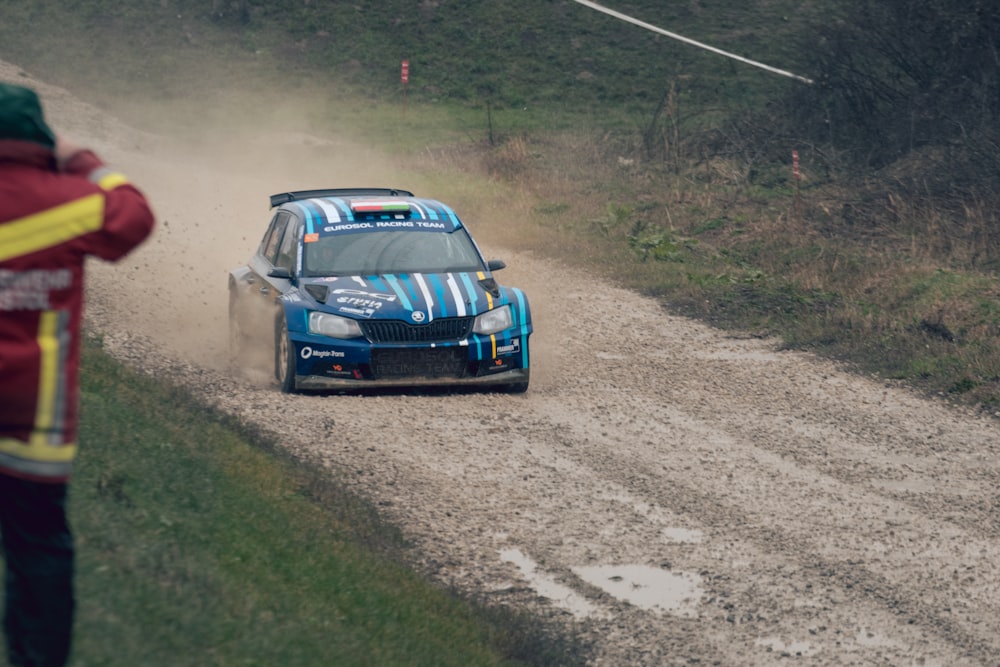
(515, 54)
(662, 165)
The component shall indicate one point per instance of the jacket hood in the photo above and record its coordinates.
(21, 116)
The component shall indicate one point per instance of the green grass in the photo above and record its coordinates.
(543, 64)
(546, 103)
(200, 544)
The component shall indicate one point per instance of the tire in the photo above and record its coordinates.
(284, 360)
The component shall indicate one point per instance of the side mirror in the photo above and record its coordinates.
(496, 264)
(280, 272)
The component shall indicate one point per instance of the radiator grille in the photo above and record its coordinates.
(444, 330)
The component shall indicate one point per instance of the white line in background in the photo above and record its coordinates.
(672, 35)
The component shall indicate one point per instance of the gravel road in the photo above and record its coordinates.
(683, 495)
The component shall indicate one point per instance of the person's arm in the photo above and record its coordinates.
(128, 219)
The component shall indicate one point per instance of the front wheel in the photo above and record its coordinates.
(284, 360)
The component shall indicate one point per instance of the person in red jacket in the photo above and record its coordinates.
(59, 204)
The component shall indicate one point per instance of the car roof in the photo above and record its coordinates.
(351, 210)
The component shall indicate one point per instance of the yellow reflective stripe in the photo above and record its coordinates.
(48, 372)
(52, 227)
(489, 306)
(38, 454)
(38, 449)
(489, 297)
(111, 181)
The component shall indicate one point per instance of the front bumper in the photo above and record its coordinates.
(319, 382)
(495, 360)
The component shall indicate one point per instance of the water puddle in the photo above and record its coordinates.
(682, 535)
(874, 638)
(862, 639)
(562, 596)
(649, 588)
(782, 647)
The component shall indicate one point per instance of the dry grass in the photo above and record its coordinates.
(893, 281)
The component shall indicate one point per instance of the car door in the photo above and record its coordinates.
(278, 250)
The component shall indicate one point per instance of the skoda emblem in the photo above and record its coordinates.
(417, 316)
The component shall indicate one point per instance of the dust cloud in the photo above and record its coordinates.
(208, 173)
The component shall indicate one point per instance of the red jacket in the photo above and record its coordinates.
(50, 221)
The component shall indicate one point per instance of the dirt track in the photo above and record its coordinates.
(688, 496)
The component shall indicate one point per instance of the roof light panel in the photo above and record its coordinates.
(380, 207)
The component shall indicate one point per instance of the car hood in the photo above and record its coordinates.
(413, 297)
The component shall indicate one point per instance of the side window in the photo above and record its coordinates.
(288, 248)
(269, 246)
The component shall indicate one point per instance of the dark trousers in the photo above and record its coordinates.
(38, 550)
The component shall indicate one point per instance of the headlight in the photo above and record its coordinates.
(493, 321)
(333, 325)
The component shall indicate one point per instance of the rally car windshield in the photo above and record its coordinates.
(387, 252)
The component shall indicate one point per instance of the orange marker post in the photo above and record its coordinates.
(797, 175)
(404, 77)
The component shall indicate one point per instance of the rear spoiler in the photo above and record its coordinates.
(285, 197)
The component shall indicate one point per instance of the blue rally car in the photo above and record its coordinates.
(373, 287)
